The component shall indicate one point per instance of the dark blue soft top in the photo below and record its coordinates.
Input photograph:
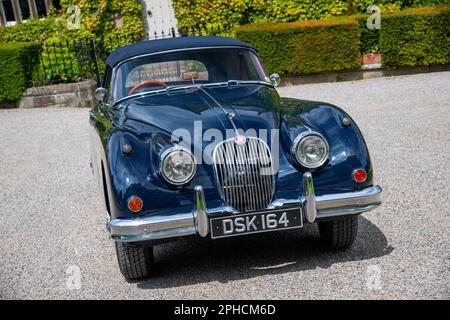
(154, 46)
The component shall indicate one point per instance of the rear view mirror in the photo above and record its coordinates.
(275, 79)
(190, 75)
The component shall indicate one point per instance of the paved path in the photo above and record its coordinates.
(52, 224)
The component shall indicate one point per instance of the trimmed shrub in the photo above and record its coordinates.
(370, 38)
(415, 37)
(306, 47)
(424, 3)
(15, 76)
(412, 37)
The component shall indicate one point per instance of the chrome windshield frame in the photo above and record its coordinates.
(167, 90)
(172, 89)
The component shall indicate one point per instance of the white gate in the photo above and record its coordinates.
(161, 21)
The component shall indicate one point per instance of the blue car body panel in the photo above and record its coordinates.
(147, 123)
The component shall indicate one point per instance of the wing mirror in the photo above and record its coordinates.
(275, 79)
(100, 94)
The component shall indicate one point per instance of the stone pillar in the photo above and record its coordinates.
(16, 9)
(33, 9)
(2, 15)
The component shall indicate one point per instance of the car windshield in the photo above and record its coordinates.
(202, 66)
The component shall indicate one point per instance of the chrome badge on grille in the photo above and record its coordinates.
(240, 139)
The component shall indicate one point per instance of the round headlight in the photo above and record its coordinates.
(177, 166)
(311, 150)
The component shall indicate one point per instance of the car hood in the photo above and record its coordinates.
(255, 107)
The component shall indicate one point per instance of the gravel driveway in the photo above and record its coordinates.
(52, 223)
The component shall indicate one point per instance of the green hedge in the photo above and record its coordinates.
(370, 38)
(226, 14)
(306, 47)
(412, 37)
(416, 37)
(96, 22)
(15, 76)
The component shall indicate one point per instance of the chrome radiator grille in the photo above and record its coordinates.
(244, 173)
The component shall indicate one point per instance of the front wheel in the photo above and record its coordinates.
(134, 262)
(339, 233)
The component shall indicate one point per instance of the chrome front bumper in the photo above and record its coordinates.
(197, 223)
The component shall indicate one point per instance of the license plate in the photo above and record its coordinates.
(256, 222)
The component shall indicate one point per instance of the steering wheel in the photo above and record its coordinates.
(146, 83)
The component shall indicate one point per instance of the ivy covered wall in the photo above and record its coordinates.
(102, 19)
(227, 14)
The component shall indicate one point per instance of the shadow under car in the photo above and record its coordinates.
(192, 261)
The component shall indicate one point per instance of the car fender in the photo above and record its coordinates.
(348, 149)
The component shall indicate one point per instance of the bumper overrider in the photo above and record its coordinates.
(315, 208)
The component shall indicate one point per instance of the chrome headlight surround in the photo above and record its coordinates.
(185, 158)
(300, 139)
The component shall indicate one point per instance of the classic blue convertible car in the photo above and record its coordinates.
(190, 138)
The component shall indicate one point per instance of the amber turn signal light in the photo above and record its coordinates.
(359, 175)
(135, 204)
